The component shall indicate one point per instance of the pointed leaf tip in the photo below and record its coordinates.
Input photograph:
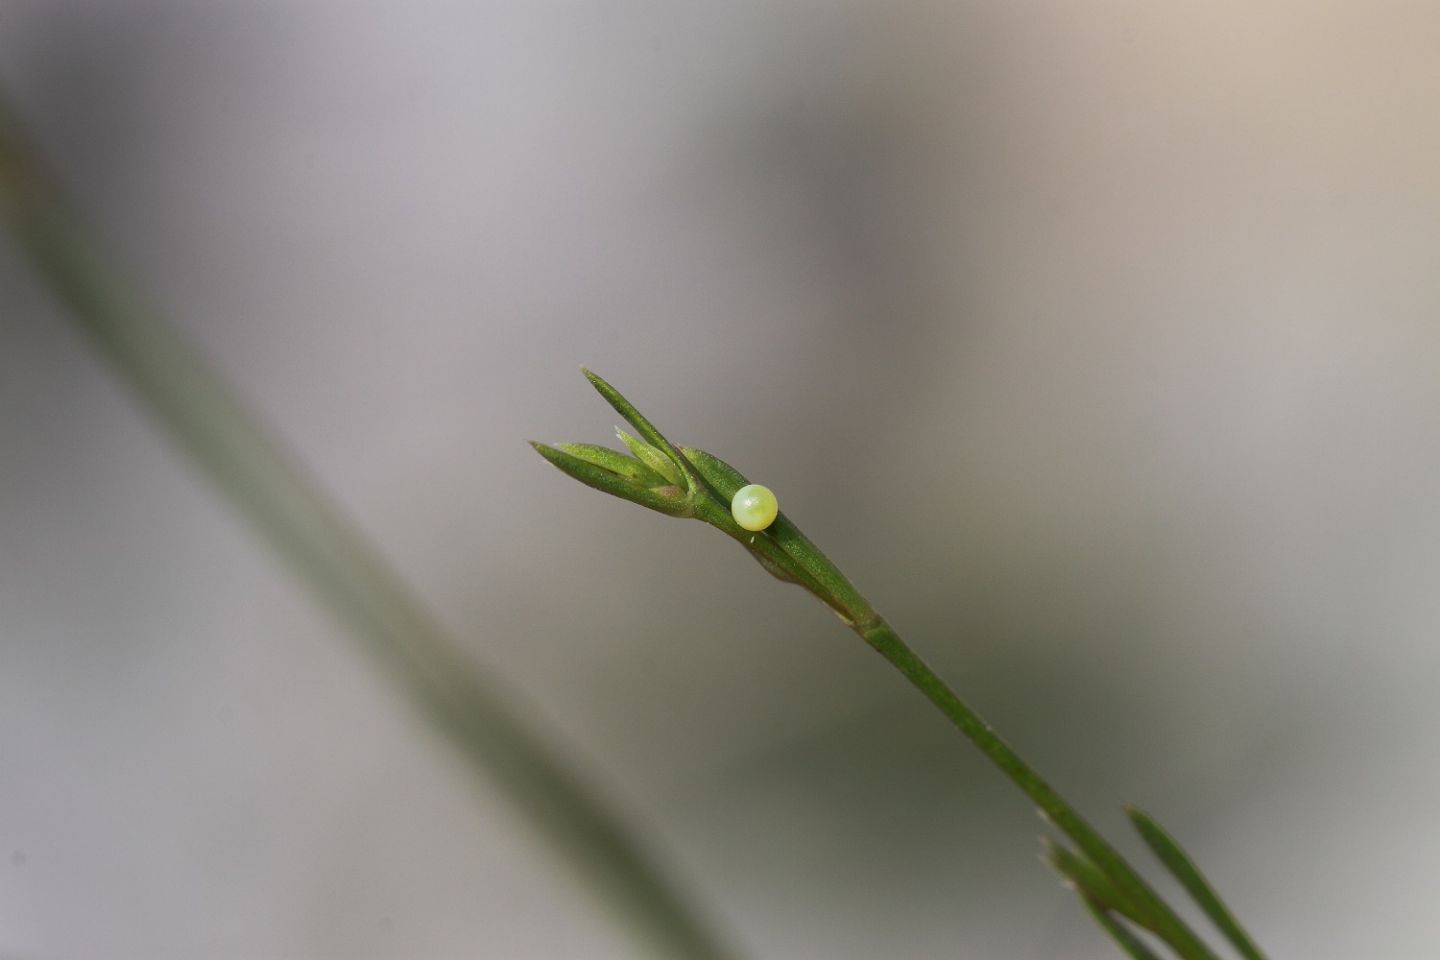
(599, 383)
(1178, 862)
(647, 430)
(616, 462)
(668, 500)
(625, 408)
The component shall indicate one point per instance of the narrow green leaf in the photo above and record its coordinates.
(1090, 881)
(779, 571)
(667, 500)
(617, 462)
(1178, 862)
(626, 409)
(646, 429)
(811, 567)
(840, 593)
(771, 553)
(1128, 941)
(652, 458)
(725, 479)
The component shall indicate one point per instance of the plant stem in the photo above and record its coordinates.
(784, 551)
(342, 569)
(1159, 917)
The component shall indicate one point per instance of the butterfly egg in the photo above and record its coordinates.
(754, 507)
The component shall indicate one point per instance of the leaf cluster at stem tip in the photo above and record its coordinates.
(689, 482)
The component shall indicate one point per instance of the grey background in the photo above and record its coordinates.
(1096, 341)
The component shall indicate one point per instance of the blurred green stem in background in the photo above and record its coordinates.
(329, 555)
(701, 485)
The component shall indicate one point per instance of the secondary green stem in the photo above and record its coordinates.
(328, 554)
(1163, 921)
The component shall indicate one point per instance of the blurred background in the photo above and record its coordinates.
(1096, 341)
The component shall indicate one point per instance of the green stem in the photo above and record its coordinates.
(1160, 918)
(788, 554)
(305, 528)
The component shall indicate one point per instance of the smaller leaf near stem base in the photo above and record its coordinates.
(1119, 932)
(1178, 862)
(1091, 882)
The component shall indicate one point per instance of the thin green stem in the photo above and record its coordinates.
(788, 554)
(326, 552)
(1158, 916)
